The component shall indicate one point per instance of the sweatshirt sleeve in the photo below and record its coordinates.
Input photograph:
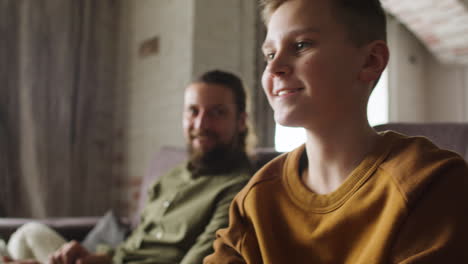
(227, 246)
(436, 227)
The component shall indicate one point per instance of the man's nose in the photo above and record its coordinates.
(202, 121)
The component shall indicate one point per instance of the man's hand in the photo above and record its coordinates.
(24, 261)
(95, 259)
(69, 254)
(74, 253)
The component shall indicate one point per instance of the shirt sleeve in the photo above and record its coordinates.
(436, 228)
(220, 218)
(227, 246)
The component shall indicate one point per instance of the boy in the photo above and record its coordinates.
(350, 195)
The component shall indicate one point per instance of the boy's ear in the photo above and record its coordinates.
(375, 62)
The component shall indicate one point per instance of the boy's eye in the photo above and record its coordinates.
(302, 45)
(269, 56)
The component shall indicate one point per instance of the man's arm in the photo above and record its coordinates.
(436, 229)
(227, 246)
(203, 245)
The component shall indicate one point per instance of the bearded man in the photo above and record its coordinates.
(187, 205)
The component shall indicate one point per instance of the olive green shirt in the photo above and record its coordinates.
(181, 217)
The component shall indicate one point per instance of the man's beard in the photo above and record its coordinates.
(223, 158)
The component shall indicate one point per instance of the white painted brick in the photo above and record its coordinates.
(440, 24)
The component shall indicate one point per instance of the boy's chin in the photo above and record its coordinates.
(287, 121)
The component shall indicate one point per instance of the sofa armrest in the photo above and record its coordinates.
(69, 227)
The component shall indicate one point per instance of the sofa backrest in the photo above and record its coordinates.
(451, 136)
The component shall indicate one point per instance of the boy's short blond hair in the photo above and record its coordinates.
(365, 20)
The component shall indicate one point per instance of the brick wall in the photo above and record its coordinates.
(194, 36)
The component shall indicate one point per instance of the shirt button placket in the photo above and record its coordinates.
(159, 235)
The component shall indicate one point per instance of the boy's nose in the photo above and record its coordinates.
(279, 66)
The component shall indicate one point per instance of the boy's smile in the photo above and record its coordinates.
(313, 68)
(283, 92)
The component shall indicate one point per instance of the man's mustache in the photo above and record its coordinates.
(203, 134)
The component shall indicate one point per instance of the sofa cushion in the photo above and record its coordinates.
(69, 227)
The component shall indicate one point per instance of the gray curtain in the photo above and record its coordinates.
(263, 114)
(6, 188)
(57, 69)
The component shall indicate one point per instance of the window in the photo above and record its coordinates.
(288, 138)
(377, 109)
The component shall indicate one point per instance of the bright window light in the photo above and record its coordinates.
(288, 138)
(377, 109)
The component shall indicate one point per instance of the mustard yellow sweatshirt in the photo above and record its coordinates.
(407, 202)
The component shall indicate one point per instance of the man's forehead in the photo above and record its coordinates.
(208, 95)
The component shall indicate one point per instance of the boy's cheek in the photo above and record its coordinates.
(267, 83)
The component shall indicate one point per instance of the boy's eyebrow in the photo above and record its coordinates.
(293, 32)
(303, 31)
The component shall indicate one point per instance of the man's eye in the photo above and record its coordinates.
(192, 111)
(218, 112)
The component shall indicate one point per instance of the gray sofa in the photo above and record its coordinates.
(452, 136)
(78, 227)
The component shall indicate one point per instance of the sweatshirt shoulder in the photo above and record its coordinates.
(269, 173)
(415, 162)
